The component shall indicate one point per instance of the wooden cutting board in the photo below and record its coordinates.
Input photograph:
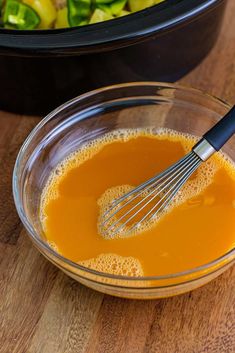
(44, 311)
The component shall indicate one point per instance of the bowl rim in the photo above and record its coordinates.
(106, 35)
(40, 244)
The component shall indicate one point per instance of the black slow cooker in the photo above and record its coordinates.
(42, 69)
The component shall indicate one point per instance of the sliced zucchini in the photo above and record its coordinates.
(100, 16)
(138, 5)
(45, 10)
(113, 8)
(62, 18)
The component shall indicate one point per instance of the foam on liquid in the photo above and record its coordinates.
(113, 263)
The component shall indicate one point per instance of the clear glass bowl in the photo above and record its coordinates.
(90, 116)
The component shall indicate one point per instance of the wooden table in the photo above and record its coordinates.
(44, 311)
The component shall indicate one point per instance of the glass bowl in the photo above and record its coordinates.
(132, 105)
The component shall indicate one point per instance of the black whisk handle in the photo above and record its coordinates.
(219, 134)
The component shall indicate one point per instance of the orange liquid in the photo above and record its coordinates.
(192, 234)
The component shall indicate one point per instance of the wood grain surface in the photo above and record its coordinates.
(44, 311)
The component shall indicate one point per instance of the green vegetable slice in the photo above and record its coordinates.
(20, 16)
(103, 1)
(113, 8)
(79, 12)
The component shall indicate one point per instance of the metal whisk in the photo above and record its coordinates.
(154, 195)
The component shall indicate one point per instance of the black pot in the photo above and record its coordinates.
(42, 69)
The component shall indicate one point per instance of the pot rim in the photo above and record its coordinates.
(107, 35)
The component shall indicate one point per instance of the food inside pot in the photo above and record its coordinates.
(47, 14)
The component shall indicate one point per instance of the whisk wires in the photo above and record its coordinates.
(153, 197)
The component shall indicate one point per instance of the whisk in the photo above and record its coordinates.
(154, 196)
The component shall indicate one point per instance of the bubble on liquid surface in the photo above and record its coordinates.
(112, 263)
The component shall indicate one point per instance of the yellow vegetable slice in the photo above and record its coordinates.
(137, 5)
(62, 18)
(124, 13)
(100, 16)
(46, 11)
